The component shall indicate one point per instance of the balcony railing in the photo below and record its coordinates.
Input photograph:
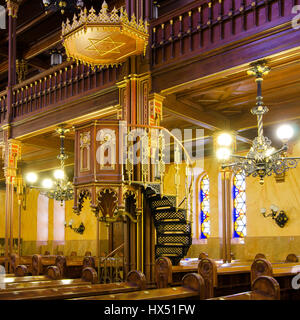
(56, 86)
(198, 29)
(202, 26)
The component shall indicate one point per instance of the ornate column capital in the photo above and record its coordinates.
(13, 7)
(11, 153)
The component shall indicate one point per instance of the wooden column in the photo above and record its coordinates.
(226, 215)
(20, 195)
(12, 9)
(12, 153)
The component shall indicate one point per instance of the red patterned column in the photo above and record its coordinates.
(11, 155)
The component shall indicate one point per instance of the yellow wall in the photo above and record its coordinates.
(73, 240)
(263, 234)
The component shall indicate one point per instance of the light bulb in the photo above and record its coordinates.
(269, 152)
(47, 183)
(285, 132)
(59, 174)
(274, 208)
(31, 177)
(224, 139)
(223, 153)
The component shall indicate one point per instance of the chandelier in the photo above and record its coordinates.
(104, 39)
(61, 189)
(62, 5)
(262, 159)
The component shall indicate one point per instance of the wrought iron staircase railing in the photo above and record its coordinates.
(173, 224)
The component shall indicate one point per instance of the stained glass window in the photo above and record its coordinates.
(42, 219)
(58, 222)
(204, 208)
(239, 205)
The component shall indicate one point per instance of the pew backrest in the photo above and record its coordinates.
(263, 288)
(291, 258)
(261, 267)
(260, 256)
(163, 272)
(207, 268)
(202, 255)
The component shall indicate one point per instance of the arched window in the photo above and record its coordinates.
(42, 219)
(58, 222)
(239, 205)
(204, 208)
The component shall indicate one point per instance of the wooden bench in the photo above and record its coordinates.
(192, 288)
(225, 280)
(262, 288)
(37, 264)
(47, 283)
(135, 281)
(284, 274)
(70, 267)
(16, 260)
(108, 269)
(41, 263)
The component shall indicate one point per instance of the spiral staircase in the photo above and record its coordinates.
(173, 232)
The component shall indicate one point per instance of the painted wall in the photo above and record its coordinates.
(73, 241)
(263, 234)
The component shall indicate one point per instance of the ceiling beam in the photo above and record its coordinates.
(202, 119)
(42, 46)
(274, 116)
(197, 117)
(52, 143)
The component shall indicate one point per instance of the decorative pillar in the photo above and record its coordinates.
(12, 9)
(226, 215)
(11, 155)
(20, 194)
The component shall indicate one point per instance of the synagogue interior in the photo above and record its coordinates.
(149, 149)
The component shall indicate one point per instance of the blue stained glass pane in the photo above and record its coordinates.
(202, 195)
(239, 203)
(235, 192)
(204, 208)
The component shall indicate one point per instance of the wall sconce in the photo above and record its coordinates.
(79, 230)
(280, 218)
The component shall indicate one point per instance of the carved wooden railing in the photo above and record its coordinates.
(3, 105)
(202, 26)
(54, 87)
(190, 31)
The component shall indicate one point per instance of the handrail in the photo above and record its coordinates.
(42, 75)
(189, 161)
(114, 251)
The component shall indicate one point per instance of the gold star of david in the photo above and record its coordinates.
(105, 46)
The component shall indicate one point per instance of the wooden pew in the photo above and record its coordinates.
(135, 281)
(292, 258)
(262, 288)
(14, 279)
(16, 260)
(70, 267)
(29, 285)
(27, 265)
(192, 288)
(284, 274)
(221, 281)
(110, 266)
(41, 263)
